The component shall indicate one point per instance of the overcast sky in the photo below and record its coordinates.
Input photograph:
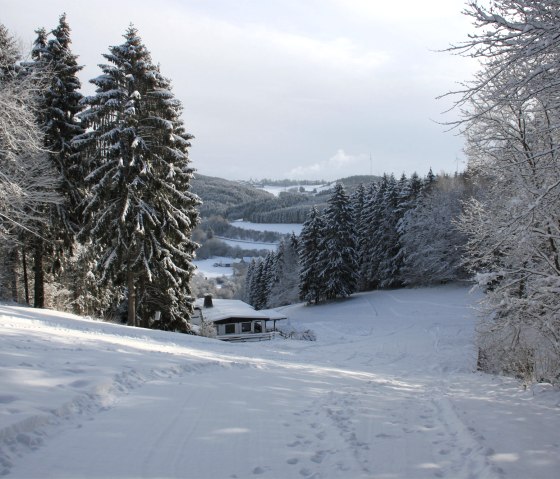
(308, 89)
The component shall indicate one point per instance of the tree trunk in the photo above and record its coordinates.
(39, 291)
(13, 268)
(144, 319)
(25, 278)
(131, 296)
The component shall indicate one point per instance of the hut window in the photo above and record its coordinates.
(245, 327)
(230, 328)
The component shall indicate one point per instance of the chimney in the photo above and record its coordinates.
(208, 301)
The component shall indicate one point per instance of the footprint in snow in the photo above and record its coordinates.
(293, 460)
(318, 457)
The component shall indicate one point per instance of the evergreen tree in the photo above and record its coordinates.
(62, 102)
(430, 179)
(258, 285)
(357, 201)
(432, 245)
(9, 55)
(416, 186)
(285, 287)
(338, 253)
(373, 250)
(139, 207)
(310, 245)
(58, 106)
(365, 232)
(249, 296)
(387, 247)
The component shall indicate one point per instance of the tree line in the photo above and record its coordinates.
(391, 233)
(95, 191)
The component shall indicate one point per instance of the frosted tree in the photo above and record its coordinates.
(387, 245)
(285, 287)
(139, 208)
(59, 105)
(248, 292)
(27, 180)
(432, 245)
(311, 289)
(512, 118)
(337, 254)
(257, 284)
(370, 235)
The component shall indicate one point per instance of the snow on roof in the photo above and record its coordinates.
(228, 308)
(273, 314)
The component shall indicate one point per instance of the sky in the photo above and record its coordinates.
(300, 89)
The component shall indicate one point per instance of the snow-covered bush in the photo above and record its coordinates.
(207, 329)
(288, 331)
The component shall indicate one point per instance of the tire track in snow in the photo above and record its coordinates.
(468, 458)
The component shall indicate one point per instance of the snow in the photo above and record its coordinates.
(386, 391)
(276, 190)
(283, 228)
(248, 244)
(213, 267)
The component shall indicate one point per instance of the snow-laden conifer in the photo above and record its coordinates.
(310, 245)
(431, 244)
(139, 207)
(58, 104)
(285, 286)
(337, 254)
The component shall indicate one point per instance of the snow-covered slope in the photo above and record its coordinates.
(386, 391)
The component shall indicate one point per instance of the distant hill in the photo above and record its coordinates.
(244, 200)
(219, 195)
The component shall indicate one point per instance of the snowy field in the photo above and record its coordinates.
(387, 391)
(283, 228)
(276, 190)
(215, 267)
(248, 244)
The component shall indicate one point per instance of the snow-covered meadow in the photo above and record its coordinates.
(283, 228)
(388, 390)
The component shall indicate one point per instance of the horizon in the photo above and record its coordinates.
(289, 89)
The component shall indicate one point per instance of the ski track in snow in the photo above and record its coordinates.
(387, 391)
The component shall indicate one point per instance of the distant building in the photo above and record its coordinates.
(235, 320)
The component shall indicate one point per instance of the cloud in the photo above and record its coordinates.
(339, 165)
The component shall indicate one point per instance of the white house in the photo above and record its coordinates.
(235, 320)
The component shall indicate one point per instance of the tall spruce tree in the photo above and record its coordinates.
(139, 209)
(58, 106)
(338, 253)
(373, 250)
(285, 284)
(387, 247)
(310, 245)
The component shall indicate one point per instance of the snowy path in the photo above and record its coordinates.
(387, 391)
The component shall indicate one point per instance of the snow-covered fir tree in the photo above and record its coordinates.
(310, 244)
(285, 286)
(432, 245)
(371, 250)
(9, 55)
(365, 229)
(139, 210)
(337, 255)
(59, 105)
(388, 244)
